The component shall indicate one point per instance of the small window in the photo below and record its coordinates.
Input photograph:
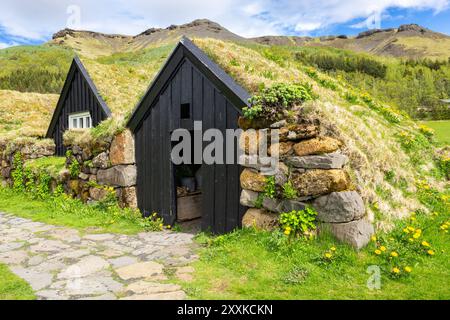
(185, 111)
(80, 120)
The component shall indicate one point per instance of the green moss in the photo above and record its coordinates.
(50, 165)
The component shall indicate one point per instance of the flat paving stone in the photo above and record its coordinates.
(123, 261)
(37, 280)
(61, 264)
(146, 270)
(13, 257)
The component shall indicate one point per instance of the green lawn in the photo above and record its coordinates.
(72, 213)
(250, 264)
(13, 287)
(442, 130)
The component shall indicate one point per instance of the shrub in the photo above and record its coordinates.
(298, 223)
(289, 192)
(271, 102)
(270, 189)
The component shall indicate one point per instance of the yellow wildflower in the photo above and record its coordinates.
(328, 255)
(406, 230)
(374, 238)
(411, 229)
(287, 231)
(408, 269)
(416, 235)
(169, 227)
(333, 249)
(419, 231)
(425, 244)
(377, 252)
(394, 254)
(411, 240)
(383, 248)
(431, 252)
(396, 270)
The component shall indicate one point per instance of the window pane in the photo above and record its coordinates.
(74, 123)
(81, 123)
(88, 122)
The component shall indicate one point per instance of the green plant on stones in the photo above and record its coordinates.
(270, 189)
(43, 186)
(271, 102)
(152, 223)
(300, 223)
(30, 184)
(74, 168)
(17, 174)
(259, 201)
(289, 192)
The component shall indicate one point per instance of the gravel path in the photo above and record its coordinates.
(60, 263)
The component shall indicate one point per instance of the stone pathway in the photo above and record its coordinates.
(60, 263)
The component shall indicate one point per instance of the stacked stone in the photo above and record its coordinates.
(315, 166)
(28, 148)
(113, 166)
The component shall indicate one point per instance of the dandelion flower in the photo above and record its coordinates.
(396, 270)
(328, 255)
(408, 269)
(431, 252)
(377, 252)
(383, 248)
(374, 238)
(416, 235)
(425, 244)
(394, 254)
(333, 249)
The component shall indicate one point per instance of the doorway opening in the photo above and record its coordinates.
(188, 182)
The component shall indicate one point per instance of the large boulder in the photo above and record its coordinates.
(260, 219)
(301, 131)
(122, 149)
(356, 233)
(280, 149)
(256, 162)
(248, 198)
(252, 180)
(340, 207)
(101, 161)
(254, 141)
(122, 176)
(128, 197)
(319, 182)
(318, 145)
(326, 161)
(97, 194)
(292, 205)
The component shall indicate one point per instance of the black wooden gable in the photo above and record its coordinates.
(186, 50)
(79, 94)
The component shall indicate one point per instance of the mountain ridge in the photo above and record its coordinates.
(406, 41)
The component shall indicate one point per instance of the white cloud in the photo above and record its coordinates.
(38, 19)
(4, 45)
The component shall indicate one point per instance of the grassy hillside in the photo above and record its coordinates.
(25, 114)
(389, 154)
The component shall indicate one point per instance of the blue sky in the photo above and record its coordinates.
(34, 21)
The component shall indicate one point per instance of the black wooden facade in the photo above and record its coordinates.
(79, 94)
(192, 80)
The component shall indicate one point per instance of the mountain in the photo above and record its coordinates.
(409, 41)
(94, 44)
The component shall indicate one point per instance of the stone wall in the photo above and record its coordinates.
(111, 166)
(91, 169)
(316, 168)
(29, 148)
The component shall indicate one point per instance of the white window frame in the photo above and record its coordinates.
(79, 120)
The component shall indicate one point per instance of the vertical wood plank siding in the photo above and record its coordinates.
(155, 183)
(80, 98)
